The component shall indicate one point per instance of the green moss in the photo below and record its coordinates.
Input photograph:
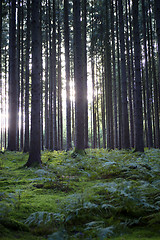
(77, 151)
(13, 224)
(140, 233)
(107, 192)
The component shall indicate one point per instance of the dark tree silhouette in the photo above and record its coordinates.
(79, 98)
(35, 148)
(13, 108)
(139, 145)
(26, 139)
(67, 70)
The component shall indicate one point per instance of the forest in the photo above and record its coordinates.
(79, 119)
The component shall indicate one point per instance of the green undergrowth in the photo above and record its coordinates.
(99, 195)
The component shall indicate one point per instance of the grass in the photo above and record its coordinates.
(101, 195)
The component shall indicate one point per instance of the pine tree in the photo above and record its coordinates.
(13, 108)
(35, 147)
(139, 145)
(79, 98)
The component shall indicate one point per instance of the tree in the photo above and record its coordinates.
(149, 122)
(84, 56)
(108, 82)
(79, 85)
(54, 147)
(13, 110)
(157, 13)
(67, 70)
(26, 141)
(46, 79)
(22, 77)
(139, 145)
(114, 78)
(1, 62)
(125, 123)
(35, 148)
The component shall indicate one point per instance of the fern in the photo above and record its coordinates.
(105, 233)
(44, 218)
(59, 235)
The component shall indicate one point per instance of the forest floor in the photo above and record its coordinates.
(102, 195)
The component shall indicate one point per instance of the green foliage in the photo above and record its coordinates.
(96, 196)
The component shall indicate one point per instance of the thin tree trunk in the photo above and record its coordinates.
(54, 77)
(6, 97)
(46, 82)
(157, 14)
(26, 143)
(41, 82)
(108, 83)
(114, 79)
(19, 16)
(60, 117)
(94, 139)
(1, 67)
(131, 110)
(103, 108)
(67, 70)
(84, 56)
(13, 114)
(119, 84)
(149, 122)
(22, 76)
(155, 87)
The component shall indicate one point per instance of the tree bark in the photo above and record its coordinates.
(13, 108)
(26, 142)
(139, 144)
(67, 70)
(35, 146)
(125, 123)
(79, 85)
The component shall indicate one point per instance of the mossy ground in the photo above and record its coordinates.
(99, 195)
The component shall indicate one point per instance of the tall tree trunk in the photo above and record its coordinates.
(149, 122)
(103, 106)
(54, 77)
(6, 97)
(50, 83)
(155, 85)
(94, 139)
(79, 85)
(60, 119)
(114, 79)
(139, 145)
(18, 63)
(46, 81)
(131, 109)
(13, 113)
(22, 76)
(84, 57)
(26, 142)
(1, 66)
(119, 83)
(67, 70)
(132, 62)
(125, 123)
(157, 14)
(97, 111)
(35, 146)
(108, 83)
(41, 81)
